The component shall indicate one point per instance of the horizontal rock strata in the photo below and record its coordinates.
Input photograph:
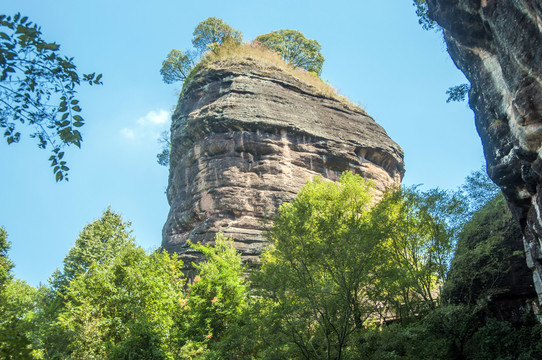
(498, 45)
(246, 139)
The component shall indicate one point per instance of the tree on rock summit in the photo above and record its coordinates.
(212, 32)
(208, 34)
(295, 49)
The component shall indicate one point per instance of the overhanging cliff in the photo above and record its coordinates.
(246, 136)
(498, 46)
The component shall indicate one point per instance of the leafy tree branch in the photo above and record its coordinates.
(38, 88)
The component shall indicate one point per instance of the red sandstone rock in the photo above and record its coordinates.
(246, 139)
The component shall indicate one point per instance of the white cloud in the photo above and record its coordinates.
(154, 117)
(148, 127)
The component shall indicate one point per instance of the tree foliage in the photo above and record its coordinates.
(216, 297)
(5, 263)
(163, 157)
(295, 49)
(478, 190)
(423, 15)
(418, 231)
(207, 35)
(317, 289)
(339, 263)
(98, 242)
(125, 308)
(457, 93)
(177, 66)
(486, 247)
(340, 267)
(213, 32)
(38, 88)
(16, 307)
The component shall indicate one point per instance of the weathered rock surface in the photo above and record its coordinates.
(498, 45)
(245, 139)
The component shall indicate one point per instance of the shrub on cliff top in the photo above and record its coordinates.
(261, 57)
(295, 49)
(208, 35)
(212, 32)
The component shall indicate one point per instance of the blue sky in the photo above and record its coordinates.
(376, 54)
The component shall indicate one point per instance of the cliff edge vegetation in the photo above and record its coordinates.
(256, 55)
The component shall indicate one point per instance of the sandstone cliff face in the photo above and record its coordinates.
(245, 138)
(498, 45)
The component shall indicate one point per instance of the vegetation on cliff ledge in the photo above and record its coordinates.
(262, 58)
(218, 45)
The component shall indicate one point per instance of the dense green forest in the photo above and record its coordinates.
(343, 278)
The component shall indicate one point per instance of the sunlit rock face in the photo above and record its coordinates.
(498, 45)
(246, 139)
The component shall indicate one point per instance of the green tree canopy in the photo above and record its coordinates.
(319, 271)
(125, 308)
(98, 242)
(163, 157)
(177, 66)
(338, 263)
(486, 248)
(478, 190)
(295, 49)
(215, 300)
(16, 307)
(208, 34)
(212, 32)
(38, 88)
(423, 14)
(5, 263)
(417, 231)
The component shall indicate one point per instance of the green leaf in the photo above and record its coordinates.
(44, 84)
(77, 135)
